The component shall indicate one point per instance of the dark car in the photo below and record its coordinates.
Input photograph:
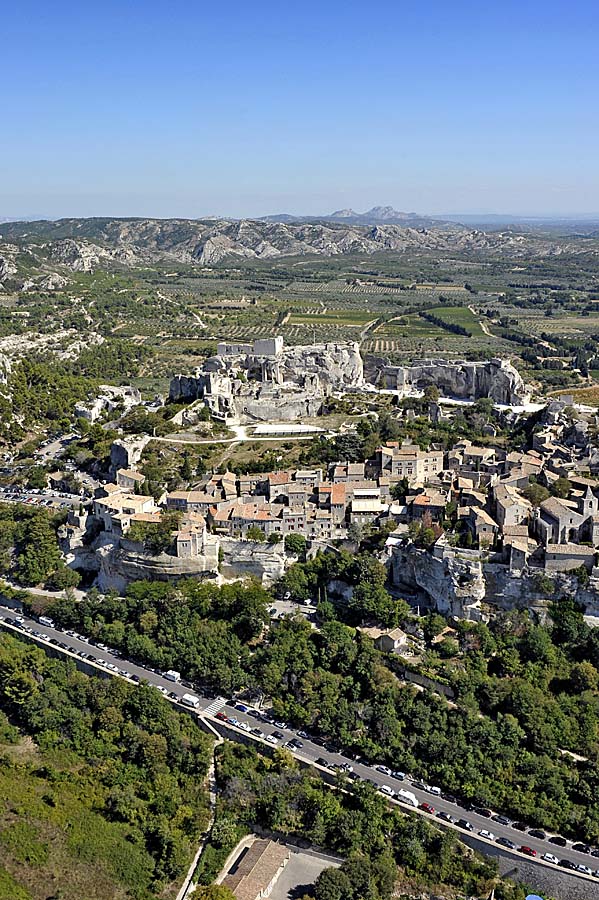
(505, 842)
(566, 864)
(539, 835)
(481, 811)
(135, 678)
(520, 826)
(559, 840)
(279, 735)
(528, 851)
(450, 798)
(503, 820)
(445, 816)
(318, 741)
(581, 848)
(418, 785)
(595, 853)
(464, 823)
(321, 761)
(297, 745)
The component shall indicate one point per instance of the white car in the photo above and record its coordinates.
(551, 858)
(271, 739)
(487, 834)
(584, 869)
(385, 789)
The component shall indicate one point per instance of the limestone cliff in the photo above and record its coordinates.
(242, 559)
(464, 380)
(452, 580)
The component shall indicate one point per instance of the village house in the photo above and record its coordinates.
(129, 480)
(409, 462)
(386, 640)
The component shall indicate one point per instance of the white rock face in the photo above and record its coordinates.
(125, 454)
(244, 559)
(7, 268)
(80, 256)
(494, 378)
(453, 580)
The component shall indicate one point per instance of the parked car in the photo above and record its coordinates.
(567, 864)
(550, 858)
(445, 816)
(465, 824)
(487, 834)
(558, 840)
(505, 842)
(503, 820)
(528, 851)
(537, 833)
(427, 808)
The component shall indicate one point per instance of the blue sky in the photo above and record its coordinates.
(195, 108)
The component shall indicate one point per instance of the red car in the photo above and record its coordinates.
(428, 808)
(222, 716)
(528, 851)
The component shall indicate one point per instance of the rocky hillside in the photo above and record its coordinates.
(86, 244)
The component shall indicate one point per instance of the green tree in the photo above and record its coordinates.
(295, 543)
(254, 533)
(40, 556)
(561, 488)
(333, 884)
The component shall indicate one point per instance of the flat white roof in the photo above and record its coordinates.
(291, 428)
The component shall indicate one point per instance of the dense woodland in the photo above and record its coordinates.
(126, 769)
(359, 826)
(524, 692)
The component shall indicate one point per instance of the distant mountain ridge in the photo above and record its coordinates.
(377, 215)
(49, 249)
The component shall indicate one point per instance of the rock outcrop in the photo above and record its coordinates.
(125, 454)
(244, 559)
(7, 269)
(290, 383)
(461, 379)
(451, 579)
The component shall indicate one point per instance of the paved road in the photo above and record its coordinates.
(241, 721)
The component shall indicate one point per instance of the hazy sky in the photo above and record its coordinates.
(245, 108)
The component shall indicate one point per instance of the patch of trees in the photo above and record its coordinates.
(45, 392)
(197, 628)
(524, 692)
(453, 327)
(143, 762)
(373, 838)
(29, 547)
